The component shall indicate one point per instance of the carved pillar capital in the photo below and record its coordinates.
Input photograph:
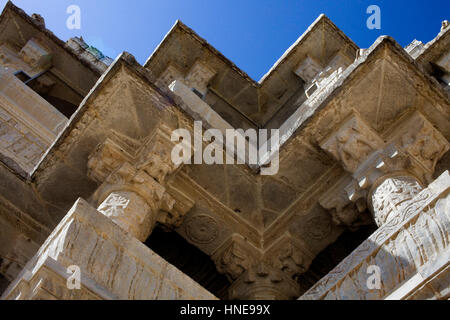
(154, 155)
(199, 76)
(289, 255)
(422, 143)
(264, 282)
(132, 199)
(132, 178)
(263, 275)
(412, 150)
(352, 143)
(235, 256)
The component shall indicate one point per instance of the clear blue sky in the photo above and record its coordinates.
(253, 34)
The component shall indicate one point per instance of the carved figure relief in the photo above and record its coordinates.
(424, 142)
(352, 143)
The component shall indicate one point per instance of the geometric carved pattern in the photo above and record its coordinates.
(114, 205)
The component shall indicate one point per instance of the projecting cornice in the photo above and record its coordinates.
(253, 103)
(303, 115)
(306, 112)
(436, 47)
(322, 21)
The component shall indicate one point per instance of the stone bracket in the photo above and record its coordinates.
(414, 148)
(259, 274)
(122, 164)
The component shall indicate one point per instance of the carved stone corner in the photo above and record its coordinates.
(411, 241)
(104, 254)
(174, 207)
(289, 255)
(263, 275)
(346, 203)
(131, 176)
(308, 69)
(154, 156)
(169, 75)
(352, 143)
(106, 158)
(235, 256)
(36, 55)
(412, 151)
(423, 143)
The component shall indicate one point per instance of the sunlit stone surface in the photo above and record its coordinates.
(358, 208)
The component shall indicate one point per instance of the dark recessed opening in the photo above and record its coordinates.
(22, 76)
(63, 106)
(190, 260)
(438, 72)
(198, 93)
(39, 85)
(4, 283)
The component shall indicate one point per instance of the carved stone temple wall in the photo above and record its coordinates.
(359, 207)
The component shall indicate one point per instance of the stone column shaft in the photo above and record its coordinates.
(391, 195)
(132, 188)
(131, 212)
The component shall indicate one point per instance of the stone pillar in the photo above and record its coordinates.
(410, 249)
(132, 192)
(389, 196)
(104, 246)
(410, 246)
(111, 264)
(383, 175)
(133, 200)
(131, 212)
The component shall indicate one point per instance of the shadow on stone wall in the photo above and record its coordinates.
(190, 260)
